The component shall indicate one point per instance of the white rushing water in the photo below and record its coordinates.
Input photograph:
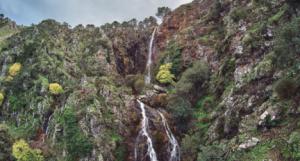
(149, 60)
(144, 132)
(175, 150)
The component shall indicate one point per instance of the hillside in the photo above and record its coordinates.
(224, 86)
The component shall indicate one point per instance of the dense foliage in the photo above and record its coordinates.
(22, 152)
(164, 74)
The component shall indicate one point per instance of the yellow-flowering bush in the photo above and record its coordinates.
(14, 69)
(55, 88)
(164, 74)
(1, 98)
(22, 152)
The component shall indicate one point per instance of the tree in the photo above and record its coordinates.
(287, 43)
(164, 74)
(1, 98)
(14, 69)
(22, 152)
(77, 143)
(55, 88)
(5, 143)
(162, 11)
(193, 79)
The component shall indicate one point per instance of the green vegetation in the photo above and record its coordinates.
(180, 109)
(285, 88)
(259, 152)
(172, 54)
(291, 148)
(287, 43)
(278, 15)
(192, 79)
(14, 69)
(22, 152)
(164, 74)
(77, 144)
(5, 143)
(212, 152)
(1, 98)
(162, 12)
(190, 146)
(55, 88)
(238, 14)
(136, 82)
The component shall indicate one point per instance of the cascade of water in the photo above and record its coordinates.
(149, 59)
(4, 67)
(47, 128)
(174, 151)
(145, 125)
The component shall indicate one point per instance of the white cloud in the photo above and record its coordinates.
(83, 11)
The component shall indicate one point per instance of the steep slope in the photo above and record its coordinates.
(228, 75)
(241, 111)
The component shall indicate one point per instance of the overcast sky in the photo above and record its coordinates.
(76, 12)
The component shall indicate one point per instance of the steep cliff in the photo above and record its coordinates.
(227, 80)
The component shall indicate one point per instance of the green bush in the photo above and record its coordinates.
(193, 79)
(258, 153)
(172, 54)
(5, 143)
(78, 145)
(206, 103)
(164, 74)
(238, 13)
(212, 153)
(136, 82)
(180, 109)
(291, 150)
(190, 147)
(285, 88)
(22, 152)
(215, 11)
(287, 43)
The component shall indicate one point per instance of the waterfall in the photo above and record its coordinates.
(149, 59)
(174, 148)
(175, 151)
(4, 67)
(144, 132)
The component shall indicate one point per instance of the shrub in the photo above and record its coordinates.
(136, 82)
(193, 79)
(212, 152)
(287, 43)
(139, 85)
(162, 12)
(55, 88)
(206, 103)
(285, 88)
(190, 146)
(215, 10)
(22, 152)
(238, 13)
(14, 69)
(5, 143)
(291, 148)
(180, 108)
(78, 145)
(164, 74)
(1, 98)
(172, 54)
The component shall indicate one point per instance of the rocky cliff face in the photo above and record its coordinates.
(233, 94)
